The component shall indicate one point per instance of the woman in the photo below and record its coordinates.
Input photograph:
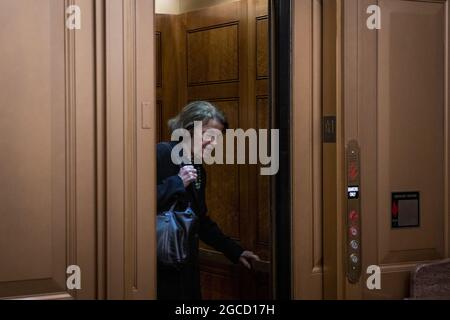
(187, 184)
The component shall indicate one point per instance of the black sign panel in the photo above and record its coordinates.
(329, 129)
(405, 210)
(353, 192)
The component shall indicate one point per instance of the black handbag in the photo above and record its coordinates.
(174, 231)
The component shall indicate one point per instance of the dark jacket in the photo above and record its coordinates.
(184, 284)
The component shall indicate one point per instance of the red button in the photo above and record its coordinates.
(354, 216)
(353, 171)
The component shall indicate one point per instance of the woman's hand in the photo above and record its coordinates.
(247, 257)
(188, 174)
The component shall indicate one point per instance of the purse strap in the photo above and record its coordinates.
(172, 208)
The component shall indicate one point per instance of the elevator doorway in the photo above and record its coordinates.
(88, 168)
(218, 51)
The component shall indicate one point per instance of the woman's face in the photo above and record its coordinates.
(209, 134)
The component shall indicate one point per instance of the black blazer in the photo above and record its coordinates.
(171, 188)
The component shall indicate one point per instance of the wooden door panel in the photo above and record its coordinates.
(396, 107)
(214, 37)
(170, 61)
(47, 138)
(262, 46)
(411, 73)
(223, 205)
(75, 143)
(310, 158)
(212, 54)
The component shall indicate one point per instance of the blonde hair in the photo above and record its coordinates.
(197, 111)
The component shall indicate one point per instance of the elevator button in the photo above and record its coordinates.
(354, 244)
(354, 258)
(354, 216)
(353, 231)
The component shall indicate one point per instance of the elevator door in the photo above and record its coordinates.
(47, 152)
(396, 108)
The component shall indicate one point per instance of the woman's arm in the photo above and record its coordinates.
(211, 234)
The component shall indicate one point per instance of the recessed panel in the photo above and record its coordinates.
(26, 132)
(262, 47)
(213, 55)
(47, 150)
(411, 127)
(224, 207)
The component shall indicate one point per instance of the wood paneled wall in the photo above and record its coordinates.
(47, 150)
(307, 245)
(130, 150)
(399, 76)
(77, 150)
(221, 54)
(79, 187)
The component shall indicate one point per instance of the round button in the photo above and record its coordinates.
(353, 231)
(354, 244)
(354, 258)
(354, 216)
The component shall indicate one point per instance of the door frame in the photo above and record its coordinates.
(130, 252)
(128, 142)
(307, 150)
(280, 17)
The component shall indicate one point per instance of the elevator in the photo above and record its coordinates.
(367, 139)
